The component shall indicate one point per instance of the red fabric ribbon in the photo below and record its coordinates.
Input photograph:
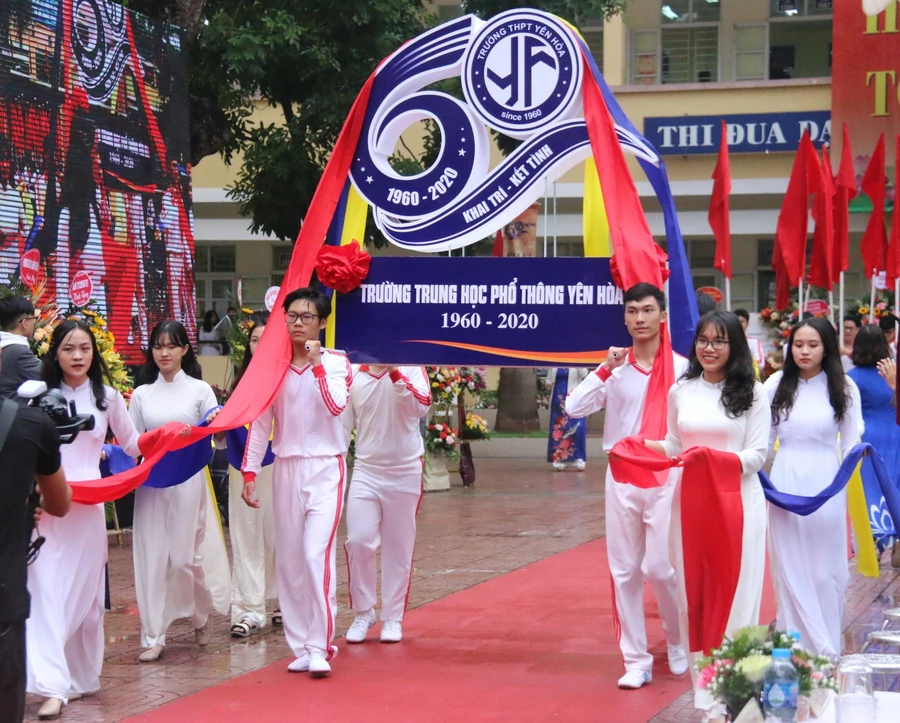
(263, 378)
(342, 268)
(712, 528)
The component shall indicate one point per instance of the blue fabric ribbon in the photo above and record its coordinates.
(116, 461)
(800, 505)
(237, 442)
(179, 466)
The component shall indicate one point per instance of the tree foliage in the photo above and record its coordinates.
(308, 59)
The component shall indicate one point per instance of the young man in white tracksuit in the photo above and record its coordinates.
(307, 481)
(637, 520)
(386, 404)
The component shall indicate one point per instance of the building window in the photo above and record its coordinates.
(592, 32)
(684, 50)
(795, 43)
(214, 271)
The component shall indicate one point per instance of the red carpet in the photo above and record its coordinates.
(536, 644)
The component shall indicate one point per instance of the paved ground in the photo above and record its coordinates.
(519, 512)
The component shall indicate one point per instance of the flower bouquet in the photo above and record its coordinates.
(222, 394)
(472, 379)
(884, 304)
(442, 439)
(475, 427)
(445, 384)
(733, 674)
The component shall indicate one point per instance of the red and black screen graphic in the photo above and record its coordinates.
(94, 165)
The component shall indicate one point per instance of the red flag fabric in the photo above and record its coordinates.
(636, 253)
(719, 220)
(874, 240)
(711, 509)
(498, 244)
(845, 191)
(893, 254)
(793, 220)
(820, 266)
(263, 378)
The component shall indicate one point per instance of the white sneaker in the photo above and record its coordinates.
(678, 662)
(559, 466)
(318, 666)
(634, 679)
(579, 465)
(391, 631)
(300, 665)
(360, 628)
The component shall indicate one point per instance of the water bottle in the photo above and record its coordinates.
(781, 689)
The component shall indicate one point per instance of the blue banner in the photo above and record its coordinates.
(456, 311)
(747, 133)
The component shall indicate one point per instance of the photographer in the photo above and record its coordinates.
(29, 451)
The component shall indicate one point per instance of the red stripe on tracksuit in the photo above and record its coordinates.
(327, 577)
(617, 625)
(418, 505)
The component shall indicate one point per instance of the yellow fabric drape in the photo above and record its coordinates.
(596, 223)
(866, 556)
(354, 230)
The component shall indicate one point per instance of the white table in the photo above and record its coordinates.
(888, 709)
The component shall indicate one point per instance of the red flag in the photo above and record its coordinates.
(791, 230)
(636, 253)
(498, 244)
(719, 221)
(845, 190)
(820, 267)
(874, 240)
(782, 285)
(893, 253)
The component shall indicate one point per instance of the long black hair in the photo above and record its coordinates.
(259, 319)
(178, 335)
(740, 377)
(208, 323)
(838, 393)
(98, 373)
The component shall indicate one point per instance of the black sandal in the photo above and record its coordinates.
(243, 629)
(276, 619)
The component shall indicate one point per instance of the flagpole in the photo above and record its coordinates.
(872, 302)
(831, 306)
(800, 300)
(841, 310)
(727, 294)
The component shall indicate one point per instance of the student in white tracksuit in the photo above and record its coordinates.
(308, 480)
(637, 520)
(386, 404)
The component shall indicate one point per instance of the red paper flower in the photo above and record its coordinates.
(342, 268)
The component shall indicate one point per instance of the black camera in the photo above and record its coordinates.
(52, 402)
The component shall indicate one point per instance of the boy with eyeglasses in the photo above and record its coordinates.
(637, 520)
(308, 480)
(18, 363)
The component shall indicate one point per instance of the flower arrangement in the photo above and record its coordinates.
(473, 379)
(239, 334)
(544, 392)
(487, 399)
(445, 384)
(441, 438)
(884, 304)
(475, 427)
(222, 394)
(734, 673)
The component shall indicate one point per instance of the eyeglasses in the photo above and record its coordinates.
(292, 318)
(31, 318)
(717, 344)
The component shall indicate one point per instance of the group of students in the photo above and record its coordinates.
(811, 408)
(179, 554)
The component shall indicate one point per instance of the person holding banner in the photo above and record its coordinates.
(252, 530)
(815, 407)
(637, 520)
(386, 404)
(872, 375)
(718, 404)
(67, 581)
(308, 480)
(173, 578)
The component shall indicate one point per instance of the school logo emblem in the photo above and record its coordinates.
(522, 72)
